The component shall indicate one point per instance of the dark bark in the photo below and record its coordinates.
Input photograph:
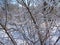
(5, 29)
(57, 40)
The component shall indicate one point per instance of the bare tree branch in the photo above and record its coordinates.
(6, 4)
(57, 40)
(5, 28)
(2, 43)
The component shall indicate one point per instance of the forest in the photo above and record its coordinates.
(29, 22)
